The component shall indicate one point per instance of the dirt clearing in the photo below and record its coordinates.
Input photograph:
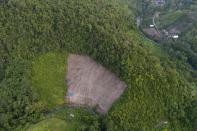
(90, 84)
(152, 32)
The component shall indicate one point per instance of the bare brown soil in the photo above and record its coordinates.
(90, 84)
(152, 32)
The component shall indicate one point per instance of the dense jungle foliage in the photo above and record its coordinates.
(185, 48)
(157, 97)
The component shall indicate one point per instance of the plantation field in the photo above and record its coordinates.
(48, 78)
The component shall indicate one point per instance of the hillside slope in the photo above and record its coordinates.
(105, 31)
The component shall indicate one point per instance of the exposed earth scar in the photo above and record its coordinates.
(90, 84)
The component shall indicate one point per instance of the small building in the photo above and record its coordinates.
(175, 36)
(152, 26)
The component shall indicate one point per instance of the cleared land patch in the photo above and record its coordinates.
(48, 75)
(90, 84)
(152, 32)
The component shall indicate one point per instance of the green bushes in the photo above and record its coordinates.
(18, 103)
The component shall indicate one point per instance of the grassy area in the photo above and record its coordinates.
(60, 120)
(169, 18)
(53, 124)
(48, 78)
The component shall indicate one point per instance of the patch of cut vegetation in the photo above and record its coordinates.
(90, 84)
(53, 124)
(48, 78)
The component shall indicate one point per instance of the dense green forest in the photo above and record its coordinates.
(185, 48)
(159, 95)
(178, 18)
